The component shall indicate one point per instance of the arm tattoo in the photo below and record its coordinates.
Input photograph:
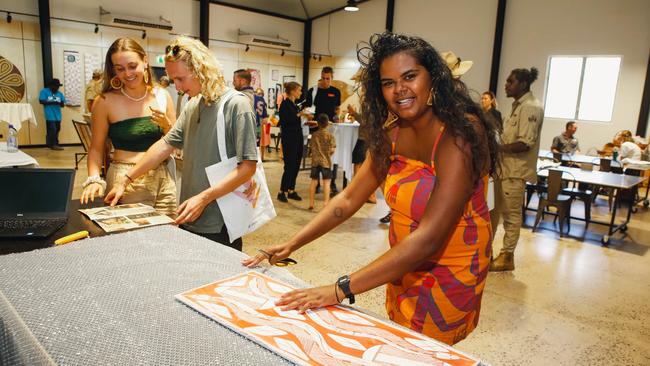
(338, 212)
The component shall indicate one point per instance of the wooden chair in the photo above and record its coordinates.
(554, 198)
(84, 133)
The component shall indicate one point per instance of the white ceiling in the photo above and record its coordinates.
(300, 9)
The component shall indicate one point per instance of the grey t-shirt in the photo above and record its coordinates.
(195, 132)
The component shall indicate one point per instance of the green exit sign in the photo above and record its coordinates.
(161, 59)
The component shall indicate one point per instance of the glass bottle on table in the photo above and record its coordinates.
(12, 139)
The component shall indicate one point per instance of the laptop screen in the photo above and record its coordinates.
(30, 191)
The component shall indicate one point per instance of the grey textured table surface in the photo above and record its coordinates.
(110, 301)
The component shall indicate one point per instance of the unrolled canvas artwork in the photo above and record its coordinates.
(326, 336)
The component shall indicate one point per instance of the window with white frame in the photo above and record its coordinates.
(582, 87)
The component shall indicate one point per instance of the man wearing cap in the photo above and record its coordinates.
(52, 100)
(93, 88)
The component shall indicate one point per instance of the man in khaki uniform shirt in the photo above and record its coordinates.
(93, 88)
(519, 149)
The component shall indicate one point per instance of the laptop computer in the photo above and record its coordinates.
(34, 202)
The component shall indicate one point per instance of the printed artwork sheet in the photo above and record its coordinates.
(125, 217)
(326, 336)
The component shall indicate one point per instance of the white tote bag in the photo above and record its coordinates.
(249, 206)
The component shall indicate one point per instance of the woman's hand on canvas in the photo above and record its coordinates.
(272, 254)
(309, 298)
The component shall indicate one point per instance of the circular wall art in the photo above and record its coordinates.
(12, 84)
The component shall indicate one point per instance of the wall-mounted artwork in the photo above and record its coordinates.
(279, 96)
(12, 84)
(275, 75)
(271, 99)
(332, 335)
(72, 83)
(288, 78)
(256, 78)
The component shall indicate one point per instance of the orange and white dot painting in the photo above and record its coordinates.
(331, 335)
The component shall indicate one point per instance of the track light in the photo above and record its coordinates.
(9, 18)
(247, 48)
(96, 28)
(144, 34)
(314, 57)
(352, 6)
(282, 54)
(320, 57)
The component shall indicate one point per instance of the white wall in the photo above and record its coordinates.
(535, 30)
(465, 27)
(339, 33)
(20, 43)
(225, 23)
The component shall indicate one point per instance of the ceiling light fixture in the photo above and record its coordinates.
(144, 34)
(314, 57)
(352, 6)
(320, 57)
(247, 48)
(282, 54)
(96, 28)
(9, 18)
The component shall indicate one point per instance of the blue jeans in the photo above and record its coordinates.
(52, 137)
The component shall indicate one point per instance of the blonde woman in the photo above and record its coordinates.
(134, 114)
(197, 73)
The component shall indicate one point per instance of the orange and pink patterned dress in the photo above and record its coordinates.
(441, 298)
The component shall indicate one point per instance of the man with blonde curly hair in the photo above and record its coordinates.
(197, 73)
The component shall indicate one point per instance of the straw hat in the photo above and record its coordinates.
(457, 67)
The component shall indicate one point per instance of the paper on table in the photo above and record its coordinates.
(332, 335)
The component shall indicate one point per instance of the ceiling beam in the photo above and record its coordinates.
(390, 14)
(258, 11)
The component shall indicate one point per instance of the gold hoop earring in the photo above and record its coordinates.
(391, 118)
(116, 83)
(145, 76)
(432, 97)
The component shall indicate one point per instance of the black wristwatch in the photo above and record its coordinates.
(344, 284)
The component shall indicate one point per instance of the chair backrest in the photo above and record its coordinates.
(554, 184)
(84, 133)
(605, 165)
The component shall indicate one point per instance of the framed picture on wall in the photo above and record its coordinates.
(278, 95)
(271, 99)
(288, 78)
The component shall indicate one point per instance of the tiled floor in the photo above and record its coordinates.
(569, 302)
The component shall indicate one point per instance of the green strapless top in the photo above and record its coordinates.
(134, 134)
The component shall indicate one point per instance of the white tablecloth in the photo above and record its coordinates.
(17, 158)
(346, 135)
(17, 113)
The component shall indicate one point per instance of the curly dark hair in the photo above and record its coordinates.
(452, 103)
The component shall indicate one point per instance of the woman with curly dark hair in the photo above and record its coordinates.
(431, 145)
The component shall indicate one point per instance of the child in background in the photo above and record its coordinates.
(322, 148)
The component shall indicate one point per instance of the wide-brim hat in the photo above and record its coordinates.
(55, 82)
(455, 64)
